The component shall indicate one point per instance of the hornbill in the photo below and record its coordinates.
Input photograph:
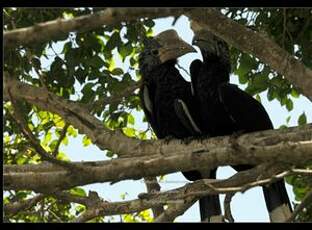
(166, 97)
(226, 110)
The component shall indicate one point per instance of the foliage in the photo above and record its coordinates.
(90, 67)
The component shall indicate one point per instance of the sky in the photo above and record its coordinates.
(246, 207)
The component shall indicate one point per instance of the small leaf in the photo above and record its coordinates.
(86, 141)
(149, 23)
(294, 93)
(289, 104)
(117, 71)
(130, 119)
(62, 157)
(288, 119)
(78, 192)
(258, 98)
(302, 120)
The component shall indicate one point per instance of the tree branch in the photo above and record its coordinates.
(235, 34)
(13, 208)
(286, 147)
(256, 43)
(47, 31)
(175, 210)
(153, 186)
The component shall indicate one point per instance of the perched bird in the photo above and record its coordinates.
(166, 97)
(225, 109)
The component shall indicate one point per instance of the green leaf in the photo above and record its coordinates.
(72, 131)
(113, 42)
(87, 92)
(36, 63)
(258, 98)
(130, 132)
(288, 119)
(289, 104)
(117, 71)
(78, 192)
(46, 139)
(62, 157)
(130, 119)
(149, 23)
(302, 120)
(86, 141)
(96, 62)
(294, 93)
(125, 50)
(283, 127)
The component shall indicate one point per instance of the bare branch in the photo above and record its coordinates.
(62, 136)
(46, 31)
(287, 147)
(153, 186)
(227, 207)
(175, 210)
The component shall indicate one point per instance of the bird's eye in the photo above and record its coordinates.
(155, 52)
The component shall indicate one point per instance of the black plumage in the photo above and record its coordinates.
(166, 97)
(225, 109)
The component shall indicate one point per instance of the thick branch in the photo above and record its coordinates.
(279, 146)
(178, 199)
(73, 113)
(257, 44)
(47, 31)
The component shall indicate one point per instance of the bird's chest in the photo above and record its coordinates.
(165, 113)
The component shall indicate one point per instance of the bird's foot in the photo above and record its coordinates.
(237, 133)
(167, 139)
(187, 140)
(203, 138)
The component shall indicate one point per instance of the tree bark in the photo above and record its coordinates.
(286, 147)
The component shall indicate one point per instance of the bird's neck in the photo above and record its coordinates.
(164, 72)
(217, 69)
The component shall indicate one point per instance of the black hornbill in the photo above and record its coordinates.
(225, 109)
(166, 97)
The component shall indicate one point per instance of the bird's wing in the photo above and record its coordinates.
(195, 67)
(246, 112)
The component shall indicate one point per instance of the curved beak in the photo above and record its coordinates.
(172, 46)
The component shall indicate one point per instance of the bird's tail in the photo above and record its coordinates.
(210, 210)
(277, 201)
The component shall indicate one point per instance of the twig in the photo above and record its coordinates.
(227, 207)
(152, 187)
(62, 136)
(174, 210)
(20, 120)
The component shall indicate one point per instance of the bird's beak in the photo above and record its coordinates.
(172, 47)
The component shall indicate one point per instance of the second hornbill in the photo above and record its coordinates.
(225, 109)
(167, 99)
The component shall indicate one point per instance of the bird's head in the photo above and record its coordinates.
(165, 47)
(211, 46)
